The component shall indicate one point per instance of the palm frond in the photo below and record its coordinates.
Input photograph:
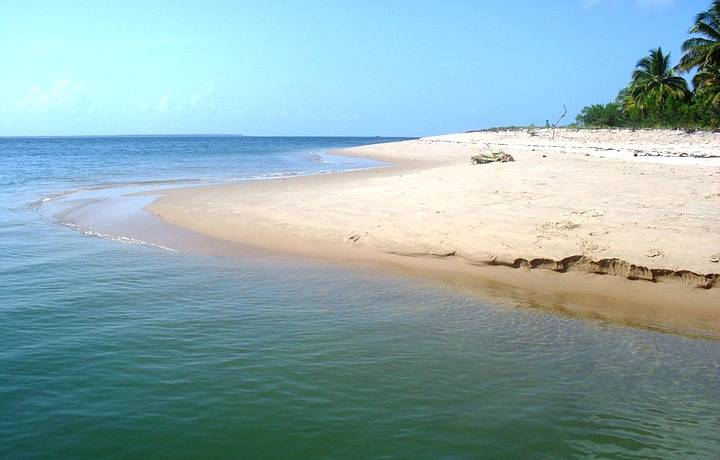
(653, 75)
(702, 50)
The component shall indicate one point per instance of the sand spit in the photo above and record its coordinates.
(641, 205)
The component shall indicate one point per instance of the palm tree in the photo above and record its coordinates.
(654, 76)
(707, 83)
(704, 50)
(624, 98)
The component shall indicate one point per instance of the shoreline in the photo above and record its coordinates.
(419, 214)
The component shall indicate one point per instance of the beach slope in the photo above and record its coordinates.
(641, 205)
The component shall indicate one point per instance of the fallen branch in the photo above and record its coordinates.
(495, 157)
(558, 121)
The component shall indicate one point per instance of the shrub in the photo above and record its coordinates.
(602, 116)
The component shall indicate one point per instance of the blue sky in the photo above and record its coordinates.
(389, 67)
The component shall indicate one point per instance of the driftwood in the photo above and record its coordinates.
(558, 121)
(496, 157)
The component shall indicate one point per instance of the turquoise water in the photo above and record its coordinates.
(111, 350)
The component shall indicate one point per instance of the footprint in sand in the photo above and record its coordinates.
(654, 252)
(715, 258)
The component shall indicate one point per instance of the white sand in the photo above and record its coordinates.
(582, 194)
(570, 208)
(582, 203)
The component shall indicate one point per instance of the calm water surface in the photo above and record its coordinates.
(111, 350)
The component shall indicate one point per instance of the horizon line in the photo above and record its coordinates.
(79, 136)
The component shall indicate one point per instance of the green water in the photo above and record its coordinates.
(121, 351)
(172, 356)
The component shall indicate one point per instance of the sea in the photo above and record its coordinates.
(113, 346)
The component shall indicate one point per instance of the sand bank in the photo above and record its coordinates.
(639, 205)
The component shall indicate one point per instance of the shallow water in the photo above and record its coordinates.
(118, 350)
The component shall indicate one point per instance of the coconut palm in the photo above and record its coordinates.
(624, 98)
(707, 83)
(704, 50)
(654, 76)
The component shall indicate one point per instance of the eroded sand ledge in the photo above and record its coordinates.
(639, 205)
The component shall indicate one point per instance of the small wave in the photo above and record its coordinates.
(106, 186)
(283, 175)
(52, 197)
(316, 157)
(275, 175)
(116, 238)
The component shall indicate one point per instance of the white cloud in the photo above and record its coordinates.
(196, 99)
(203, 100)
(163, 104)
(61, 95)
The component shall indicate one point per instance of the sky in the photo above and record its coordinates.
(330, 68)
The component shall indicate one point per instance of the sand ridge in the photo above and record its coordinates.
(640, 205)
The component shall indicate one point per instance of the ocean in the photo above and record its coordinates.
(112, 346)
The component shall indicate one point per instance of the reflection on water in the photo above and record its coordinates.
(118, 214)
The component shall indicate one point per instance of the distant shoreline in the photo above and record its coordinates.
(98, 136)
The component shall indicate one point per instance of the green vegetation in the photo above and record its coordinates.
(657, 97)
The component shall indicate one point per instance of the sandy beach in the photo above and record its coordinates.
(641, 206)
